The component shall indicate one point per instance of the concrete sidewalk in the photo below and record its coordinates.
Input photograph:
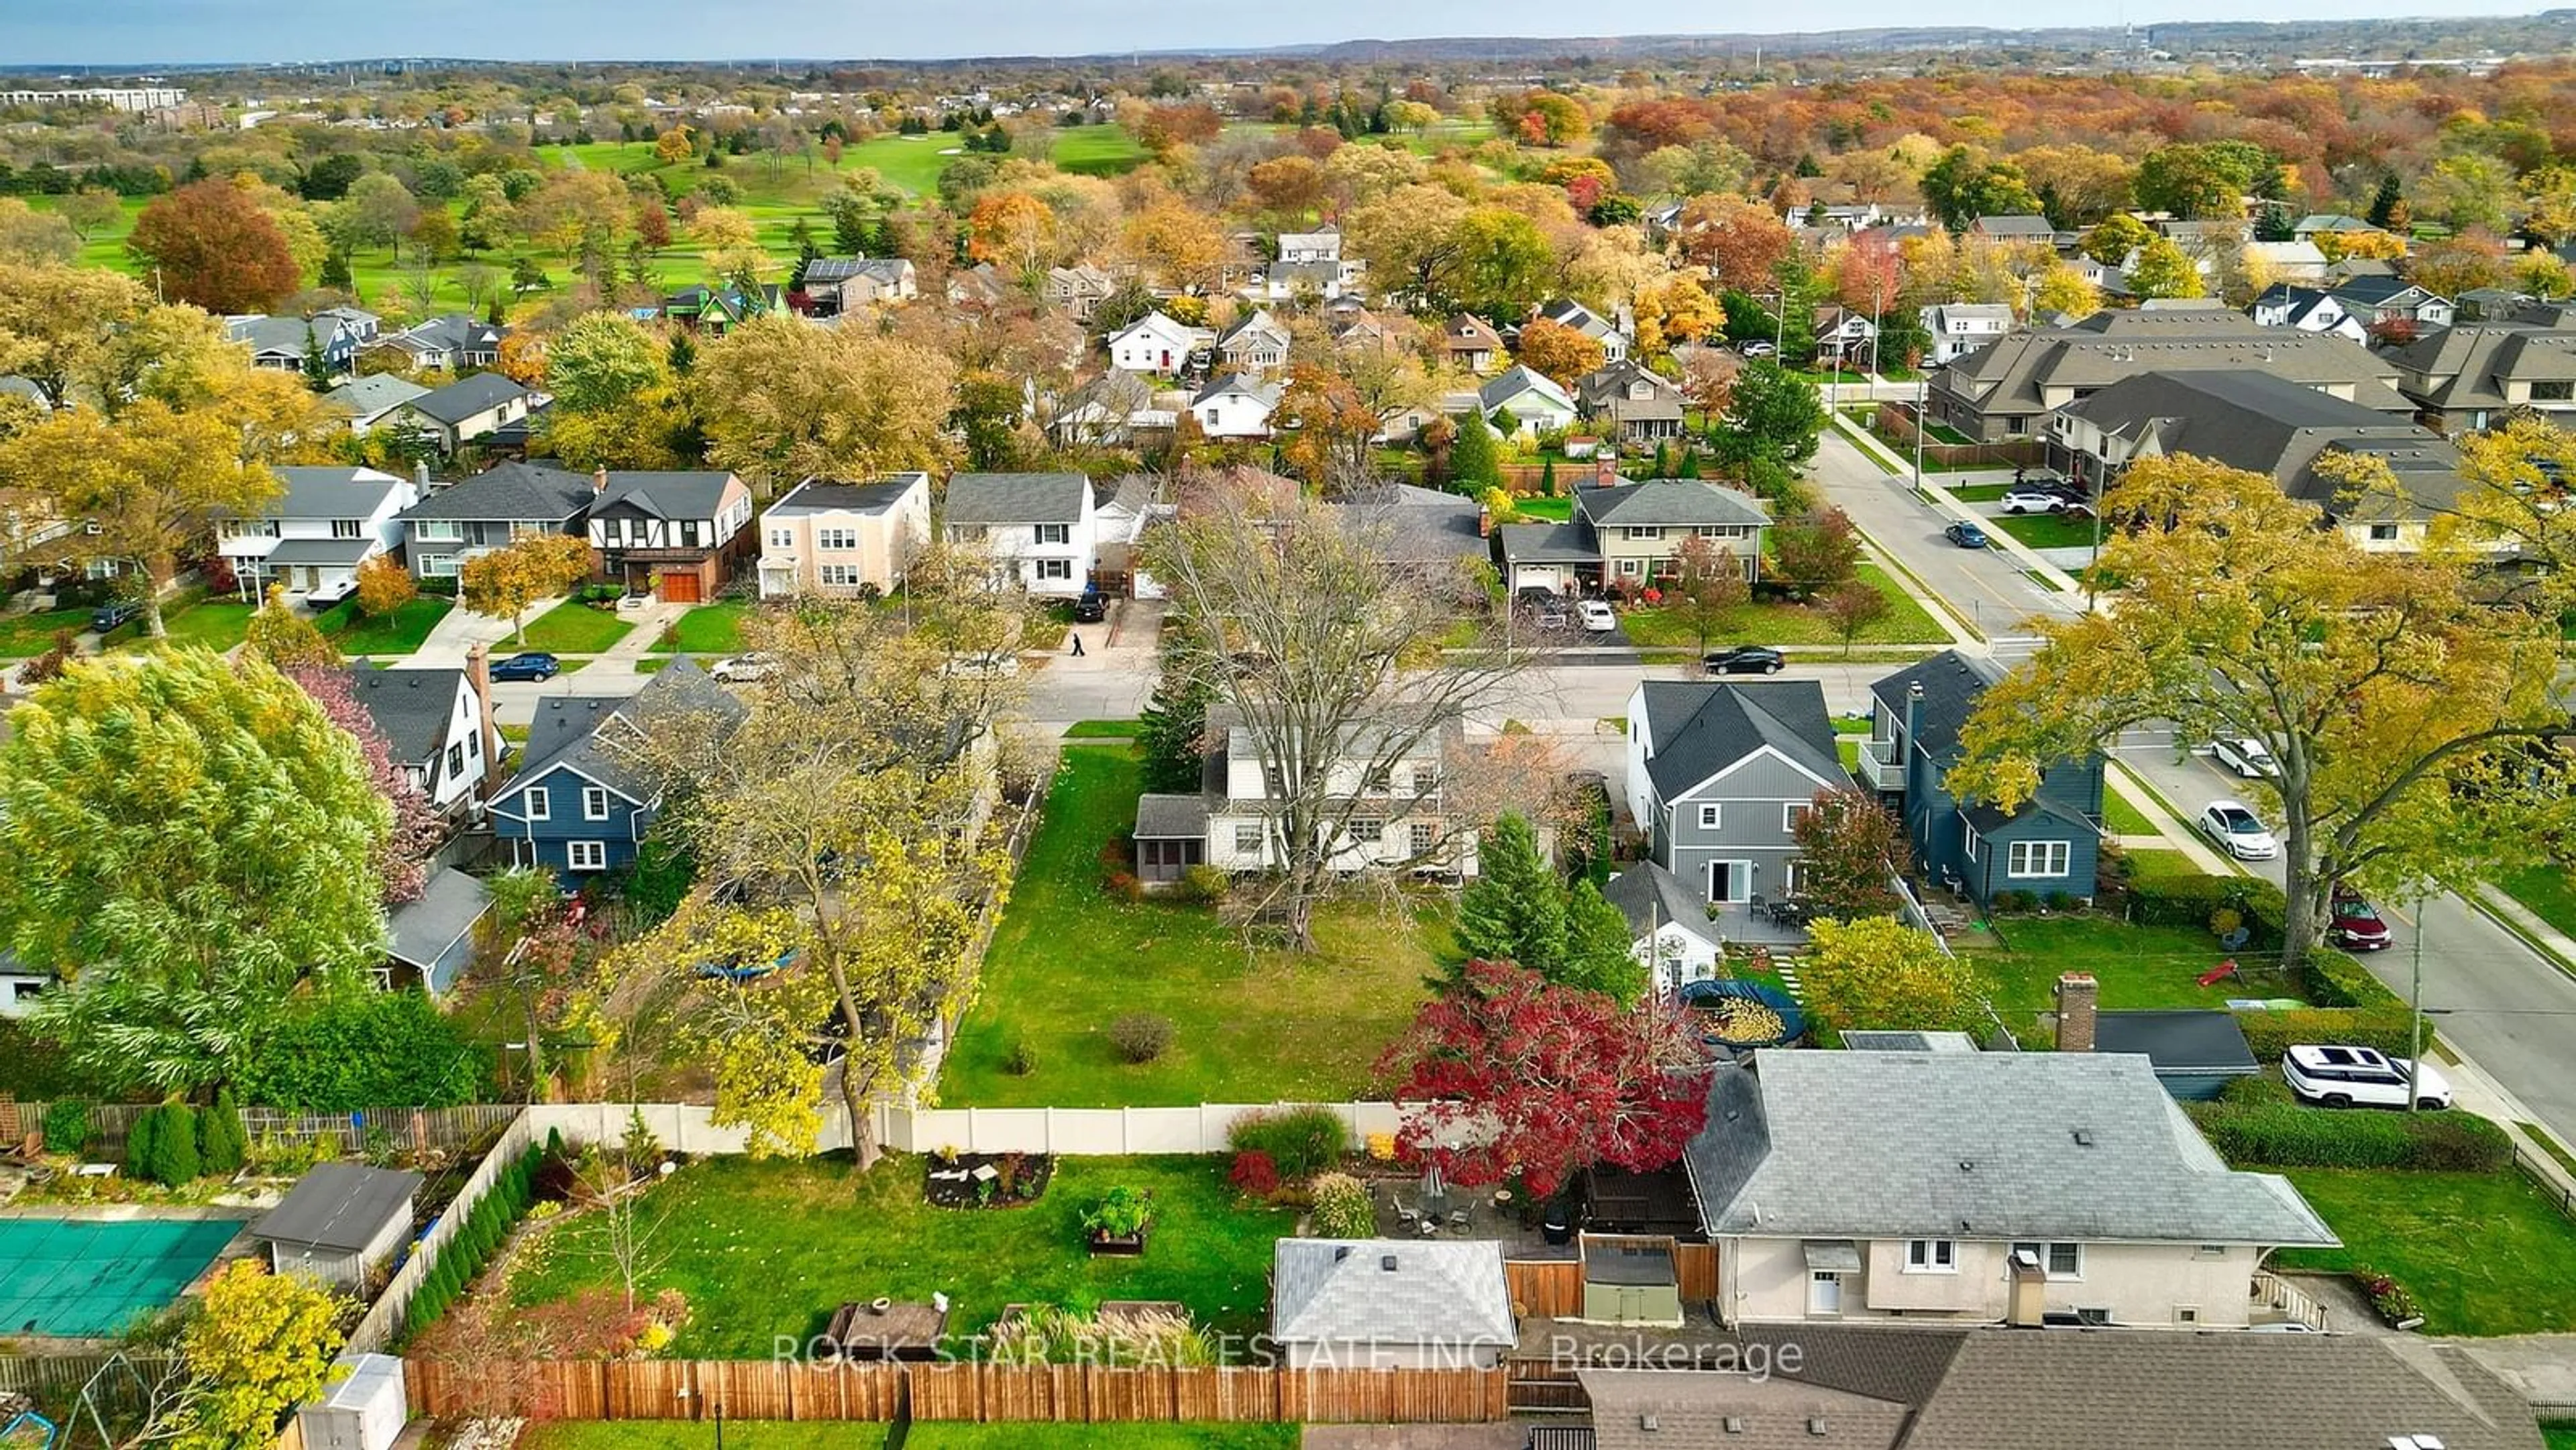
(2028, 557)
(2171, 834)
(2523, 922)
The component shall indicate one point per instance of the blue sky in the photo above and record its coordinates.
(109, 31)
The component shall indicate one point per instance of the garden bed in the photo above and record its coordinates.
(956, 1181)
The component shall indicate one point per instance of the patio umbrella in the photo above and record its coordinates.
(1435, 1191)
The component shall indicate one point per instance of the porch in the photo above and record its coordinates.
(1755, 923)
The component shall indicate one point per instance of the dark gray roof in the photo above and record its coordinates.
(1171, 817)
(329, 493)
(322, 552)
(823, 495)
(2176, 1039)
(511, 491)
(2007, 377)
(1978, 1145)
(1739, 1411)
(692, 494)
(2263, 423)
(1390, 1291)
(568, 729)
(2020, 224)
(1423, 525)
(467, 398)
(411, 707)
(1548, 543)
(455, 332)
(1016, 498)
(1516, 380)
(1697, 728)
(375, 393)
(448, 906)
(2468, 366)
(280, 336)
(1652, 897)
(1951, 684)
(1668, 503)
(341, 1206)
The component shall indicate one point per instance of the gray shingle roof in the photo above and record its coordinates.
(376, 393)
(1516, 380)
(2006, 377)
(325, 553)
(411, 707)
(448, 906)
(1669, 503)
(511, 491)
(1951, 684)
(2176, 1038)
(1435, 1292)
(1548, 543)
(1652, 898)
(823, 495)
(1171, 817)
(338, 1206)
(690, 494)
(569, 729)
(1423, 525)
(467, 398)
(1739, 1411)
(1697, 728)
(2257, 421)
(1016, 498)
(1987, 1145)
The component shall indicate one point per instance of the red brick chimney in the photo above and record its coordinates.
(478, 678)
(2077, 995)
(1608, 466)
(1484, 522)
(599, 480)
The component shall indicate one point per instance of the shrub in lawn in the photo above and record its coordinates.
(2270, 1034)
(1021, 1057)
(1205, 884)
(67, 1126)
(2288, 1135)
(2395, 1304)
(1140, 1036)
(222, 1142)
(171, 1158)
(1302, 1141)
(1342, 1208)
(1254, 1174)
(1121, 1213)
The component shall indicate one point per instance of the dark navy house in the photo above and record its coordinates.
(583, 798)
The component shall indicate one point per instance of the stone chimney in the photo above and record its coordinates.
(2077, 994)
(599, 481)
(478, 678)
(1608, 466)
(420, 478)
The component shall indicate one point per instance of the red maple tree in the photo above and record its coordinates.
(402, 858)
(1506, 1076)
(212, 244)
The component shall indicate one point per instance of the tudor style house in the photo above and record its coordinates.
(843, 539)
(323, 524)
(582, 799)
(1718, 774)
(1040, 529)
(2048, 845)
(1402, 819)
(677, 536)
(1970, 1187)
(437, 724)
(492, 510)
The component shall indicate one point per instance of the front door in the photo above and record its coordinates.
(1824, 1292)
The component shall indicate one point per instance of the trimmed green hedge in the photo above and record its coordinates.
(2337, 980)
(2270, 1034)
(2192, 900)
(2288, 1135)
(487, 1225)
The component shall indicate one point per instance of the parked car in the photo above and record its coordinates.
(533, 665)
(989, 663)
(2360, 1077)
(743, 669)
(109, 616)
(2352, 923)
(1758, 348)
(2031, 499)
(2239, 830)
(1596, 617)
(2247, 758)
(332, 593)
(1744, 659)
(1091, 608)
(1552, 615)
(1965, 534)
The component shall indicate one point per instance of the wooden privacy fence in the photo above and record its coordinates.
(751, 1390)
(1553, 1288)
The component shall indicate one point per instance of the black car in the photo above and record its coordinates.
(109, 616)
(1091, 608)
(1744, 659)
(534, 665)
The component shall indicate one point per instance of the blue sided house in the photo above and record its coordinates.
(584, 796)
(2051, 844)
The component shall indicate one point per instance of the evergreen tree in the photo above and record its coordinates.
(1515, 910)
(173, 1160)
(1473, 461)
(1169, 730)
(1547, 478)
(222, 1142)
(140, 1141)
(335, 272)
(1690, 465)
(1663, 458)
(317, 370)
(2383, 205)
(684, 354)
(1600, 950)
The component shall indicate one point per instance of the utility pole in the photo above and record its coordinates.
(1922, 395)
(2415, 1008)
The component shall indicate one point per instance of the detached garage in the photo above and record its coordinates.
(342, 1224)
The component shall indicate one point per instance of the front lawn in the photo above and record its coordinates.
(1906, 622)
(215, 624)
(2155, 864)
(767, 1248)
(574, 628)
(2121, 818)
(1252, 1025)
(2046, 531)
(24, 636)
(2138, 966)
(2546, 892)
(399, 633)
(709, 629)
(2483, 1253)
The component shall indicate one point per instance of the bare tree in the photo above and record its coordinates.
(1322, 641)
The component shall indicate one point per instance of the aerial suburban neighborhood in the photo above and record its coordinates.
(1856, 739)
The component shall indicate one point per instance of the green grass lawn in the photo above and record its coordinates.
(2138, 966)
(682, 1435)
(2124, 819)
(2546, 892)
(771, 1248)
(2161, 865)
(216, 624)
(709, 629)
(2484, 1253)
(2046, 531)
(24, 636)
(1906, 622)
(1253, 1026)
(1535, 509)
(574, 628)
(399, 633)
(2561, 1438)
(1979, 492)
(1101, 730)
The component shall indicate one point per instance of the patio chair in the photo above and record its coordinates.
(1757, 904)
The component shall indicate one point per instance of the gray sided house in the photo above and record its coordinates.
(2051, 844)
(488, 511)
(1718, 775)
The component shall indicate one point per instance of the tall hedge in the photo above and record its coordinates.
(141, 1142)
(2271, 1034)
(171, 1158)
(2289, 1135)
(361, 1050)
(222, 1143)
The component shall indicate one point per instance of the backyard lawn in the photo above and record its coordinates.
(1252, 1026)
(772, 1248)
(709, 629)
(398, 633)
(574, 628)
(2138, 966)
(1776, 624)
(2484, 1253)
(2545, 891)
(1536, 508)
(24, 636)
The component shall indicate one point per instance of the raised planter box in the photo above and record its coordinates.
(1105, 1245)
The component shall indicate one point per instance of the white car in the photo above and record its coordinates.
(743, 669)
(2247, 758)
(2033, 501)
(333, 592)
(2360, 1077)
(1758, 348)
(1596, 617)
(2237, 828)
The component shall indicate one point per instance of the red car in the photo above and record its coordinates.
(2353, 923)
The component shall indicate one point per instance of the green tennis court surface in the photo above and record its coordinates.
(91, 1279)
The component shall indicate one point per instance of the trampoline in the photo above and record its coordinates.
(84, 1278)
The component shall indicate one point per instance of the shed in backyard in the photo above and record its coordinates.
(342, 1223)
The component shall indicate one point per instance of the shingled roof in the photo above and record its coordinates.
(1694, 729)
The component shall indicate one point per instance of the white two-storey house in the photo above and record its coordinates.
(1040, 529)
(1155, 343)
(323, 524)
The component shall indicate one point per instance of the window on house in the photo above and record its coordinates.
(2210, 1251)
(1061, 569)
(1426, 779)
(1968, 839)
(1931, 1256)
(2036, 858)
(1711, 816)
(1790, 813)
(1368, 831)
(541, 804)
(1273, 784)
(689, 533)
(2559, 390)
(441, 566)
(1055, 533)
(586, 855)
(1381, 781)
(839, 576)
(594, 803)
(782, 538)
(1632, 567)
(2059, 1261)
(440, 531)
(2016, 426)
(456, 760)
(1643, 531)
(2383, 533)
(344, 528)
(1421, 838)
(1247, 840)
(840, 540)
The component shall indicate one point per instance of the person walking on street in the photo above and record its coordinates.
(1077, 645)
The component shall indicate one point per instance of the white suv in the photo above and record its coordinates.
(2345, 1077)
